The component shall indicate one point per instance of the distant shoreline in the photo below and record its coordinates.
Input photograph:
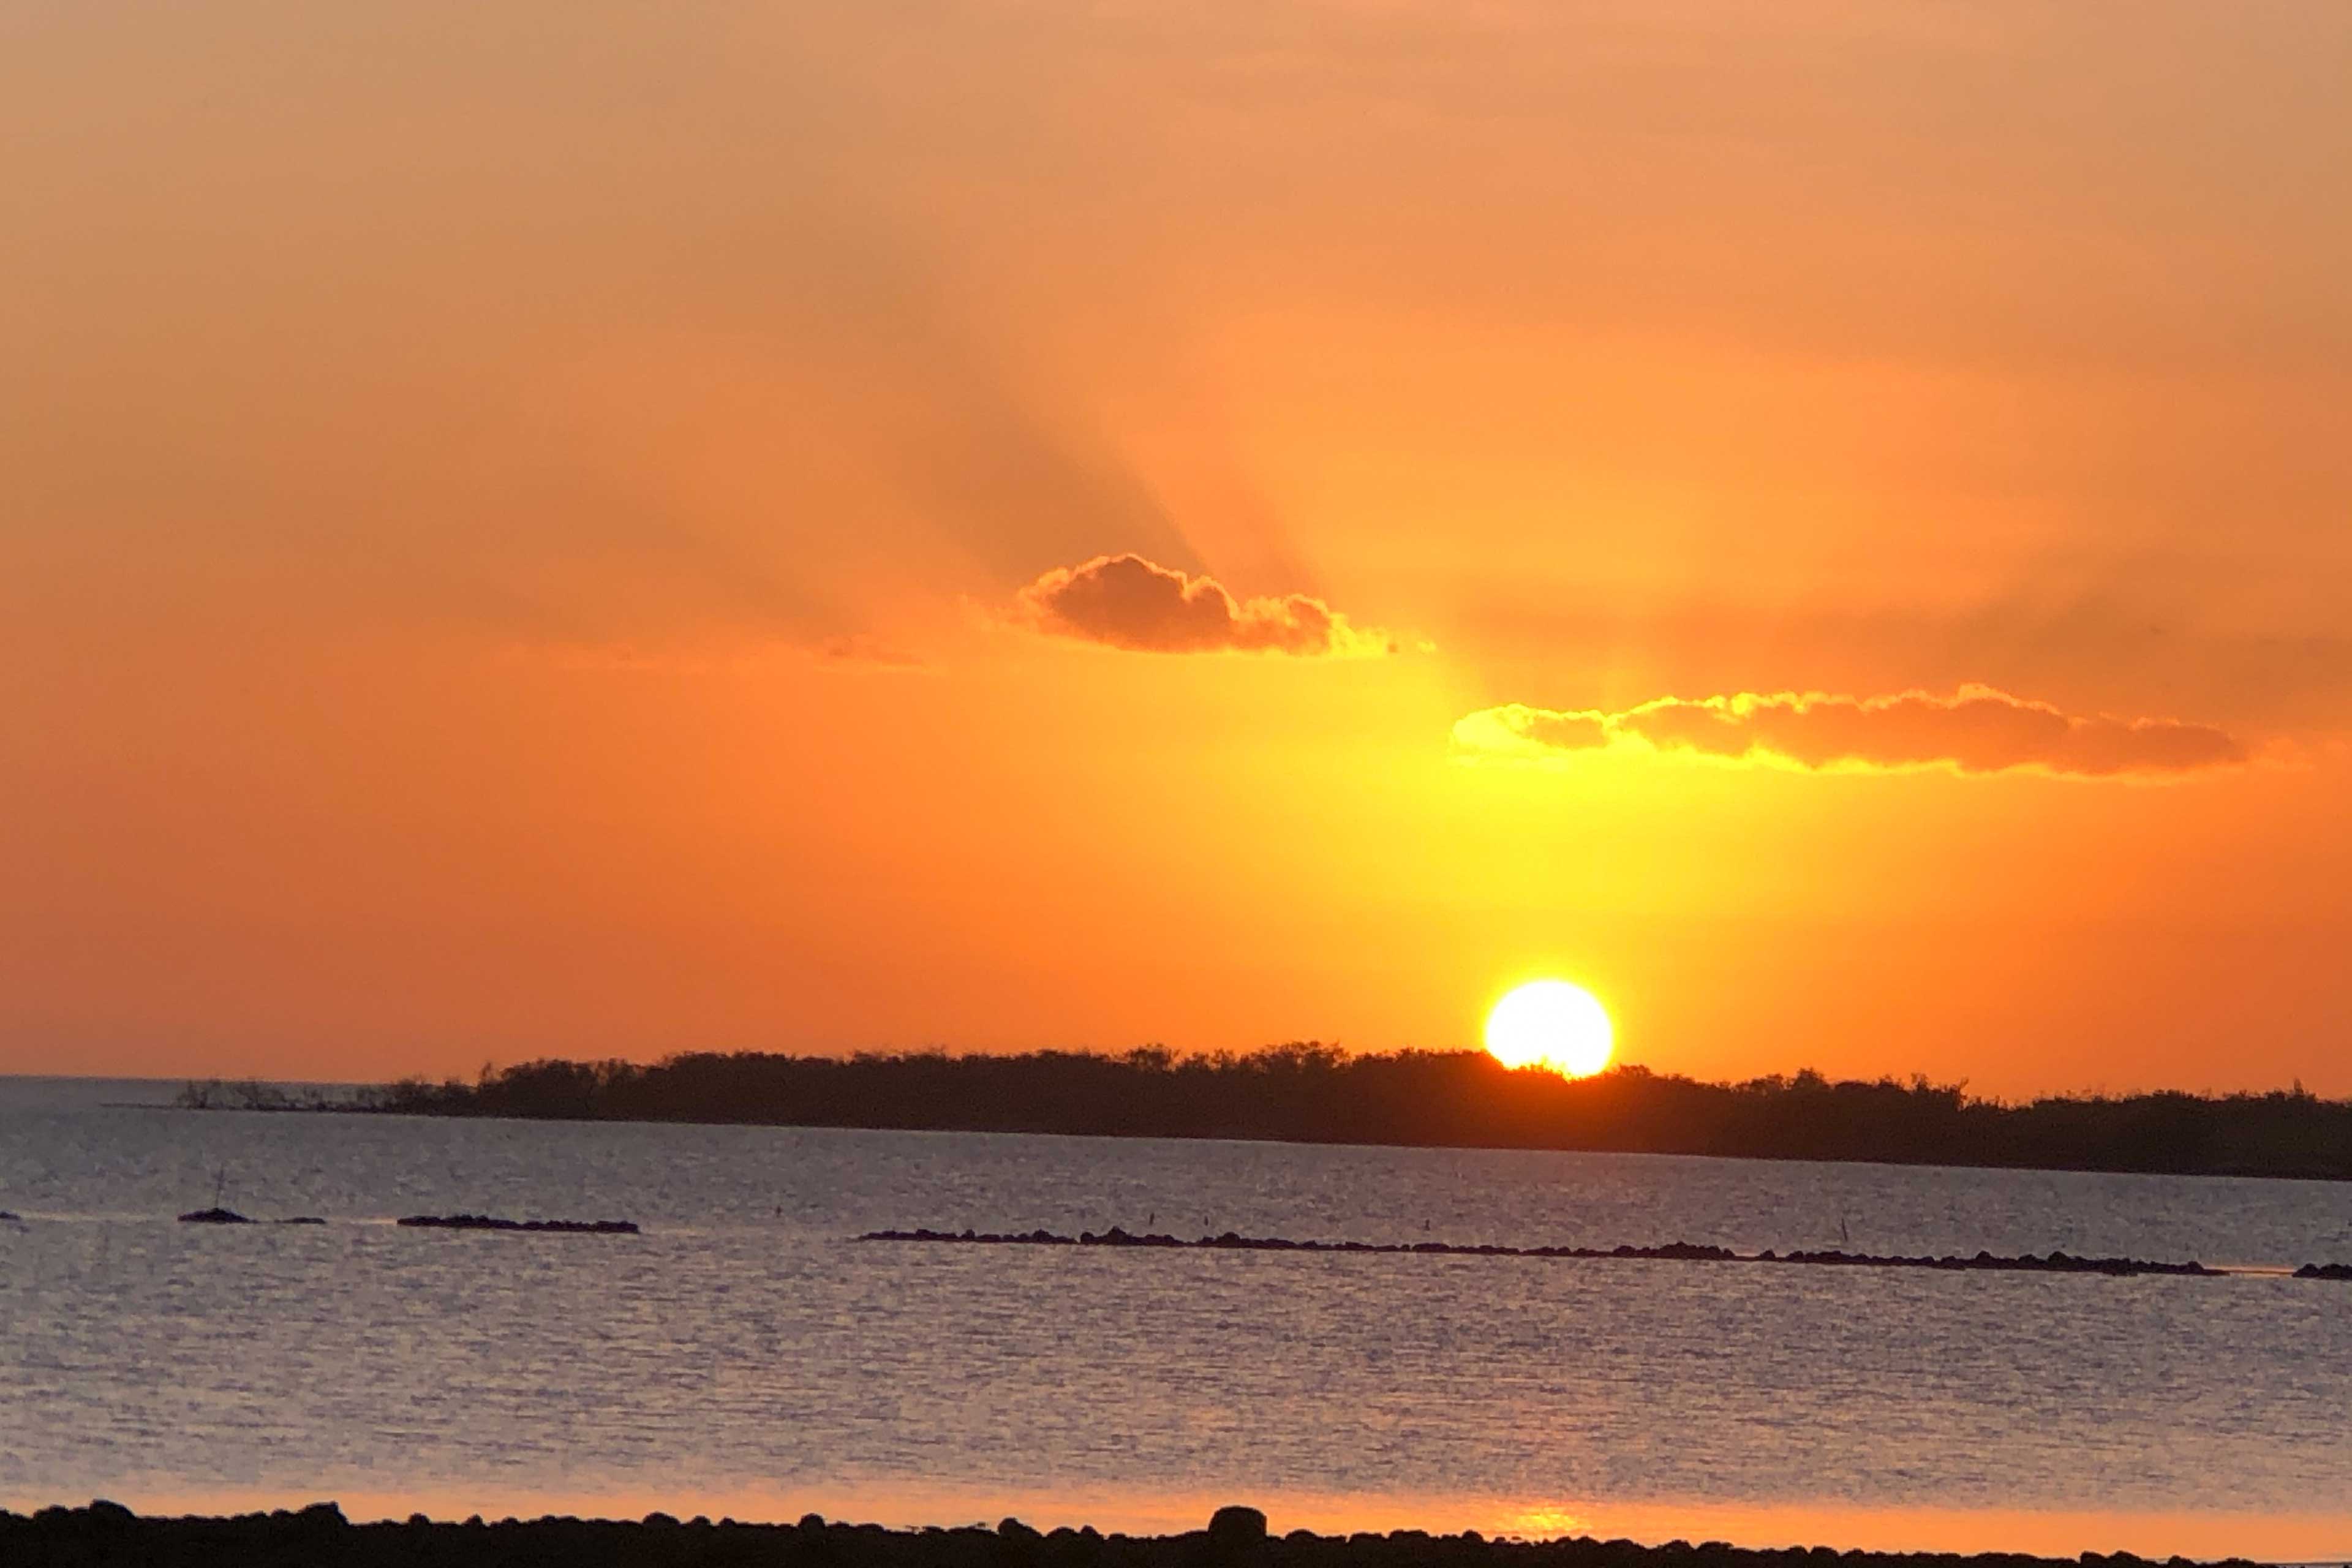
(106, 1533)
(1312, 1094)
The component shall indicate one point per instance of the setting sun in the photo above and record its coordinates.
(1550, 1024)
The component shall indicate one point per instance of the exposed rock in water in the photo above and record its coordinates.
(215, 1215)
(486, 1222)
(2324, 1271)
(1670, 1252)
(303, 1219)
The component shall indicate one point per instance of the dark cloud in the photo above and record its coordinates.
(1978, 729)
(1125, 601)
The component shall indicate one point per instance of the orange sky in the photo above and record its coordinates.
(582, 528)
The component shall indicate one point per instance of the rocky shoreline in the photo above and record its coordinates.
(105, 1534)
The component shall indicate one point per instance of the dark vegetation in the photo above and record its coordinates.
(253, 1094)
(104, 1535)
(1670, 1252)
(1318, 1094)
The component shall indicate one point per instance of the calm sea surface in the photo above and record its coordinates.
(745, 1357)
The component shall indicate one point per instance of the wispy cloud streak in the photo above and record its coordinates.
(1976, 729)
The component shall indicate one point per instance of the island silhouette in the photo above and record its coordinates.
(1237, 1536)
(1310, 1092)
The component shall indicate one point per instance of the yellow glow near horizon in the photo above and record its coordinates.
(1552, 1024)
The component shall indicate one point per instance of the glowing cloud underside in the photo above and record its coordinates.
(1978, 729)
(1127, 602)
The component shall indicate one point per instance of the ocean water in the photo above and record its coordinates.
(746, 1357)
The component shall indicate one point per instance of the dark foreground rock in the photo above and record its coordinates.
(105, 1534)
(1670, 1252)
(213, 1216)
(556, 1227)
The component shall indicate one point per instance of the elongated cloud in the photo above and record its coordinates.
(1127, 602)
(1978, 729)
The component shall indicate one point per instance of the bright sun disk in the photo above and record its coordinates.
(1552, 1024)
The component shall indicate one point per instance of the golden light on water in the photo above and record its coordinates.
(1552, 1024)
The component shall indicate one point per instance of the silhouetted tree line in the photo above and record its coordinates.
(1313, 1093)
(255, 1094)
(105, 1534)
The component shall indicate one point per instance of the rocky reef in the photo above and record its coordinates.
(1670, 1252)
(553, 1226)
